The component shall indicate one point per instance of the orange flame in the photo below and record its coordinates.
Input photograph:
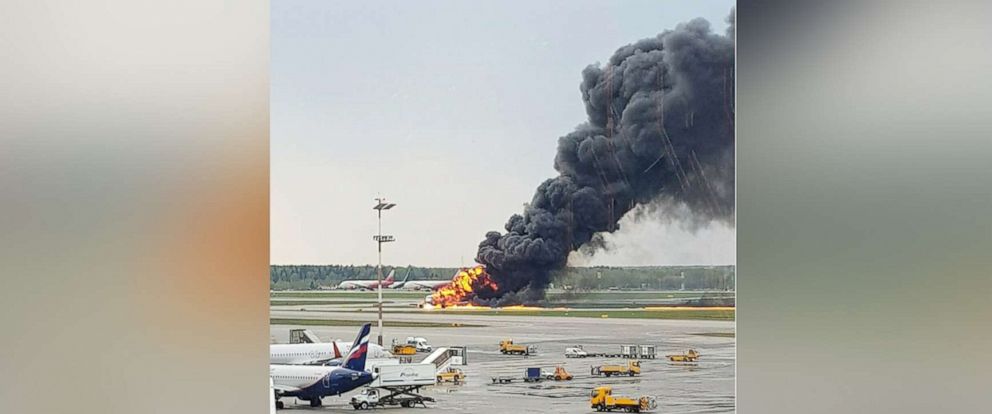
(462, 287)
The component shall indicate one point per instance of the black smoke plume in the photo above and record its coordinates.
(660, 131)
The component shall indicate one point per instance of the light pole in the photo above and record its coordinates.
(380, 238)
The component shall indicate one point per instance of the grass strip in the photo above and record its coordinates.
(347, 322)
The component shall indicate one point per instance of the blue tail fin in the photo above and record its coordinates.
(355, 360)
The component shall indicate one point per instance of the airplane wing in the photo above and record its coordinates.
(326, 361)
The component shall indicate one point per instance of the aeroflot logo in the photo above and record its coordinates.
(359, 350)
(408, 373)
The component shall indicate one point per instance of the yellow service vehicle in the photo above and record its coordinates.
(690, 356)
(632, 368)
(507, 346)
(603, 400)
(404, 349)
(454, 375)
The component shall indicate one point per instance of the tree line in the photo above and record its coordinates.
(304, 277)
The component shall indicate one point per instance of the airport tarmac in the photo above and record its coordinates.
(706, 386)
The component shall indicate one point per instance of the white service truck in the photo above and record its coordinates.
(575, 352)
(396, 385)
(420, 343)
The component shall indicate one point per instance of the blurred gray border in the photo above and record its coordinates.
(864, 201)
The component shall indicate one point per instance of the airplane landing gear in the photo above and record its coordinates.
(315, 402)
(279, 405)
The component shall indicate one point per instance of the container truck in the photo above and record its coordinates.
(631, 368)
(507, 346)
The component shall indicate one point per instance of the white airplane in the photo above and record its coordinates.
(424, 284)
(367, 284)
(311, 383)
(323, 353)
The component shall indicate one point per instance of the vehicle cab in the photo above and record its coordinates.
(600, 396)
(368, 397)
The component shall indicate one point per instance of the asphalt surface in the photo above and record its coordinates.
(706, 386)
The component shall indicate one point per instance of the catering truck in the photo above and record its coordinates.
(396, 385)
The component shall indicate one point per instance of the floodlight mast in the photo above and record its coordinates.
(380, 238)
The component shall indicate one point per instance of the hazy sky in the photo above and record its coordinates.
(452, 110)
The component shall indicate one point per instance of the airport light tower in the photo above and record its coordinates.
(380, 238)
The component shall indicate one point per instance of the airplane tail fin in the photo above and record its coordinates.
(389, 278)
(337, 352)
(359, 350)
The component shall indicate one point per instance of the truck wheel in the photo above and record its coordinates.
(631, 373)
(364, 405)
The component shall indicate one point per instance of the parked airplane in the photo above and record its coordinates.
(304, 354)
(312, 383)
(367, 284)
(400, 284)
(321, 353)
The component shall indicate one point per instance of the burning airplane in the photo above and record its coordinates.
(466, 286)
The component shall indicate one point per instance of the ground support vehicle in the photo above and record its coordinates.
(576, 352)
(507, 347)
(690, 356)
(384, 396)
(454, 375)
(404, 349)
(631, 368)
(603, 400)
(396, 384)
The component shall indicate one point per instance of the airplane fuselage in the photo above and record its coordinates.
(300, 354)
(425, 284)
(310, 382)
(293, 354)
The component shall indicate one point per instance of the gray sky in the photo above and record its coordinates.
(431, 104)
